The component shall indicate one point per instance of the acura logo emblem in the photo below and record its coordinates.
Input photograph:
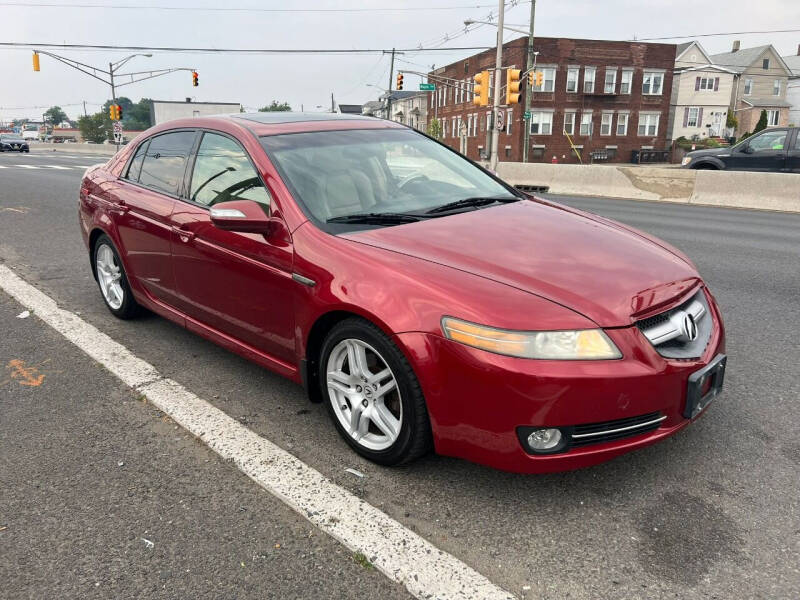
(689, 327)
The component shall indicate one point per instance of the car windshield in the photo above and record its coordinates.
(372, 172)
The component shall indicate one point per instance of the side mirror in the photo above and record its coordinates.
(244, 216)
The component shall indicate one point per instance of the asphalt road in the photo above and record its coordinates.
(710, 513)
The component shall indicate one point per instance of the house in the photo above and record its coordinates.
(412, 110)
(760, 82)
(602, 99)
(701, 94)
(793, 87)
(382, 107)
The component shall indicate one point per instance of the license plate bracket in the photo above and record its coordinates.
(696, 401)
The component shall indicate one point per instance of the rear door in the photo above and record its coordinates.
(239, 284)
(144, 200)
(793, 156)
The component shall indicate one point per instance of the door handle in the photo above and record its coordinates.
(185, 235)
(119, 207)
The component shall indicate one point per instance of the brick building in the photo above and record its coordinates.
(608, 96)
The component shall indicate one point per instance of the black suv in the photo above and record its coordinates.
(776, 149)
(13, 143)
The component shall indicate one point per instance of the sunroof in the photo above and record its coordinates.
(296, 117)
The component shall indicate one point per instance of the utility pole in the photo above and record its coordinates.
(113, 92)
(529, 91)
(498, 69)
(389, 97)
(333, 104)
(85, 114)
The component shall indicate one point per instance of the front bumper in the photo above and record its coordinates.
(478, 400)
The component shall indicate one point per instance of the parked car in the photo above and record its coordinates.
(11, 142)
(776, 149)
(428, 304)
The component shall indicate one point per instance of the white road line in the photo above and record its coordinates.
(55, 167)
(26, 166)
(400, 554)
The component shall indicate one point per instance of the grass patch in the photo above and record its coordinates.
(361, 559)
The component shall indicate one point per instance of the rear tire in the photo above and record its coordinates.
(373, 395)
(112, 280)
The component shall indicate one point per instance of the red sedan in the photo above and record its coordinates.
(428, 304)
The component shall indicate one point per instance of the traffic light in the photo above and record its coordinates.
(512, 86)
(112, 111)
(195, 79)
(481, 89)
(119, 112)
(399, 85)
(35, 61)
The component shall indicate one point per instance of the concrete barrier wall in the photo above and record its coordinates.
(103, 149)
(738, 189)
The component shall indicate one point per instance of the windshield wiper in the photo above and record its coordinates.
(376, 218)
(466, 202)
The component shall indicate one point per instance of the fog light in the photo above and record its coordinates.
(544, 439)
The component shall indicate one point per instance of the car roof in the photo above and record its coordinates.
(274, 123)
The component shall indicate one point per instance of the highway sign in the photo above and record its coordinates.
(426, 87)
(527, 114)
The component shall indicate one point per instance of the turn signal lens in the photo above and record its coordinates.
(584, 344)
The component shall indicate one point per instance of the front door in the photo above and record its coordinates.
(239, 284)
(143, 200)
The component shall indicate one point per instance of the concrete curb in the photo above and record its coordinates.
(735, 189)
(98, 149)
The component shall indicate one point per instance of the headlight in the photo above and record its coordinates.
(583, 344)
(686, 160)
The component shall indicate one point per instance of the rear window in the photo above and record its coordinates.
(164, 163)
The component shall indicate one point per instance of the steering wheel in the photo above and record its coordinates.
(405, 182)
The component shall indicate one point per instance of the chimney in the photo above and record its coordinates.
(736, 46)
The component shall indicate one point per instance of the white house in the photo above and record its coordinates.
(701, 94)
(793, 87)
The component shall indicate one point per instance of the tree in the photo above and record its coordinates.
(762, 122)
(731, 122)
(55, 115)
(435, 128)
(96, 128)
(276, 107)
(139, 115)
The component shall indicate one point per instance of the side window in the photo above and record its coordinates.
(165, 161)
(222, 171)
(772, 140)
(136, 164)
(797, 140)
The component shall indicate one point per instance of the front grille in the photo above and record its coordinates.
(596, 433)
(668, 333)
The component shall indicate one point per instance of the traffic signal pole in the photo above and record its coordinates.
(498, 69)
(113, 91)
(531, 64)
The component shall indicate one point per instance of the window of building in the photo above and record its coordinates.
(455, 128)
(652, 83)
(483, 124)
(586, 123)
(765, 64)
(692, 116)
(541, 122)
(569, 123)
(537, 152)
(588, 80)
(222, 171)
(622, 124)
(626, 81)
(705, 83)
(165, 162)
(548, 80)
(611, 152)
(772, 117)
(776, 87)
(605, 123)
(572, 79)
(508, 151)
(610, 85)
(509, 118)
(748, 87)
(648, 124)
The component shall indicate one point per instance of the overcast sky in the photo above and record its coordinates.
(309, 80)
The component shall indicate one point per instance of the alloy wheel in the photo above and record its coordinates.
(109, 275)
(364, 394)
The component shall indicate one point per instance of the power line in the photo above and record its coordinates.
(31, 45)
(244, 9)
(680, 37)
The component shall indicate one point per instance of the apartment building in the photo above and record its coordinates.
(601, 99)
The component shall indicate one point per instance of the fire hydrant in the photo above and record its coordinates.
(555, 160)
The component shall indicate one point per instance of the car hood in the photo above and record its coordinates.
(709, 152)
(601, 269)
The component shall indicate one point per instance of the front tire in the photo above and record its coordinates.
(373, 395)
(111, 279)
